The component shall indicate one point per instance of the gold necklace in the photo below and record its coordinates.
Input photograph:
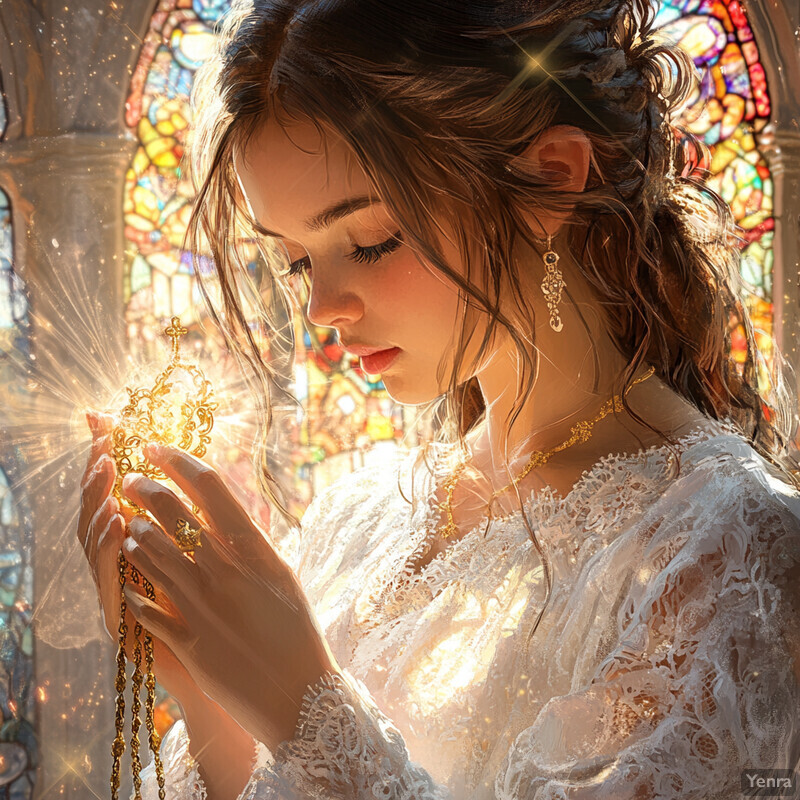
(581, 432)
(151, 417)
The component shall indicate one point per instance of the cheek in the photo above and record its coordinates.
(419, 295)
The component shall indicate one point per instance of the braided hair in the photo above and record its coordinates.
(435, 99)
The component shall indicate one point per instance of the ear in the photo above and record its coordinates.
(561, 155)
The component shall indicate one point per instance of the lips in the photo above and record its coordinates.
(374, 360)
(379, 361)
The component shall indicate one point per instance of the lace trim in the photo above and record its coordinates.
(181, 776)
(182, 780)
(551, 502)
(344, 746)
(401, 588)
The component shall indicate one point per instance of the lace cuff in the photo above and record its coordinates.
(344, 747)
(182, 779)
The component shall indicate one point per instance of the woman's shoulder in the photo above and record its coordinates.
(731, 521)
(720, 501)
(722, 474)
(712, 469)
(364, 490)
(352, 507)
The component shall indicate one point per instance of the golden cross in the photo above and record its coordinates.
(175, 331)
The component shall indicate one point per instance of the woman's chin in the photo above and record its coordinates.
(408, 393)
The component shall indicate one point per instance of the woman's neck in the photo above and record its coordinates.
(580, 374)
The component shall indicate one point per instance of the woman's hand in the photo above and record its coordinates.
(236, 617)
(101, 531)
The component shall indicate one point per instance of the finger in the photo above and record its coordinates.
(106, 571)
(205, 487)
(100, 446)
(98, 485)
(101, 426)
(162, 503)
(98, 527)
(98, 422)
(151, 551)
(156, 620)
(202, 484)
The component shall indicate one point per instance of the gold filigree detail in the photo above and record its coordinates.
(552, 287)
(162, 415)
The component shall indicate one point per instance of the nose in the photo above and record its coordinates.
(331, 301)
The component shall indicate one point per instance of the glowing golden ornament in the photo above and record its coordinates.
(177, 411)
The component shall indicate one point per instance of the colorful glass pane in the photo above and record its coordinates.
(13, 300)
(18, 746)
(729, 111)
(17, 696)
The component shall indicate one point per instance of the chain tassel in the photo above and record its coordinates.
(139, 677)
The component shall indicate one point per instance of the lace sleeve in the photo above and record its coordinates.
(344, 747)
(670, 715)
(182, 779)
(700, 682)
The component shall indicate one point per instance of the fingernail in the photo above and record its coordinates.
(152, 450)
(91, 421)
(106, 422)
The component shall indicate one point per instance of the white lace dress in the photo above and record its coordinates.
(665, 663)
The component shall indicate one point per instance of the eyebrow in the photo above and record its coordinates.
(326, 217)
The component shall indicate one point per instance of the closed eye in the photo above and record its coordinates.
(370, 254)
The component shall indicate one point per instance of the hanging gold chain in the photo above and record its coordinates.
(118, 745)
(147, 418)
(136, 687)
(581, 432)
(139, 677)
(150, 702)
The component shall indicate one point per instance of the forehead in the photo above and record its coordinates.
(289, 173)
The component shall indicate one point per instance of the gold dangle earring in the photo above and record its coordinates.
(552, 285)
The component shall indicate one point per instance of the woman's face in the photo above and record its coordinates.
(364, 281)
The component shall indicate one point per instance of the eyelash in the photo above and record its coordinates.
(359, 254)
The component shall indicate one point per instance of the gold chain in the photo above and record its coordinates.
(581, 432)
(148, 678)
(118, 745)
(147, 418)
(136, 705)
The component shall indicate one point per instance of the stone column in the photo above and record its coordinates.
(66, 67)
(775, 25)
(66, 193)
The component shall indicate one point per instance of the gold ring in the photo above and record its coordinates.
(187, 538)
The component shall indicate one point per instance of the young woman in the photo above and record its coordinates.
(586, 585)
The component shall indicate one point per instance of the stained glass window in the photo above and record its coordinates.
(18, 752)
(13, 302)
(347, 418)
(729, 112)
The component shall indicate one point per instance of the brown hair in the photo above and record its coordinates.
(435, 99)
